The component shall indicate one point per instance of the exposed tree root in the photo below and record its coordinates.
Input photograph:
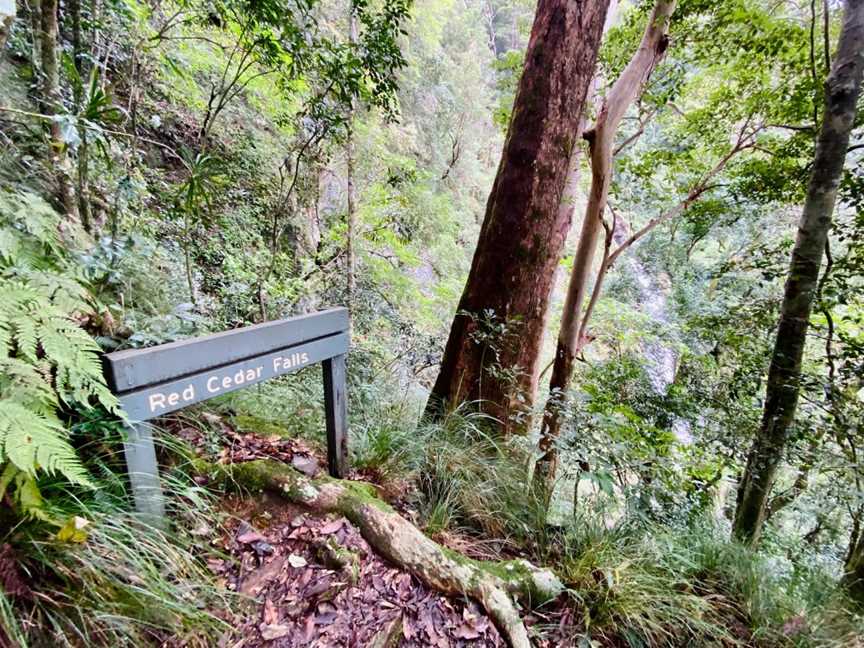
(494, 584)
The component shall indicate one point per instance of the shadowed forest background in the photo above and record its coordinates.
(604, 263)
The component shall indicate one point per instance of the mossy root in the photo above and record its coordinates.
(495, 585)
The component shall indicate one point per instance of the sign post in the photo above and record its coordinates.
(155, 381)
(143, 471)
(336, 413)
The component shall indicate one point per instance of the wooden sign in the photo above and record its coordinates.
(158, 380)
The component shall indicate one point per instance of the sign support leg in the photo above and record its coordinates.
(336, 413)
(144, 472)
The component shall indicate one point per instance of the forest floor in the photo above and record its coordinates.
(312, 580)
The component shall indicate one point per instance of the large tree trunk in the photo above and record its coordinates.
(493, 584)
(841, 93)
(601, 138)
(52, 103)
(523, 232)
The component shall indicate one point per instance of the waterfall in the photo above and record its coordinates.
(661, 360)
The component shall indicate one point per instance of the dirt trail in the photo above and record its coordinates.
(313, 581)
(318, 583)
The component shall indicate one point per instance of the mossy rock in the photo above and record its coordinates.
(249, 423)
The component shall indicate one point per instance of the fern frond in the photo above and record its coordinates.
(26, 335)
(26, 383)
(10, 245)
(44, 356)
(65, 292)
(31, 216)
(34, 441)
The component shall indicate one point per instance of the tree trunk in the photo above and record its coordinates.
(601, 138)
(493, 584)
(524, 230)
(53, 105)
(853, 569)
(83, 187)
(352, 199)
(841, 93)
(84, 180)
(74, 8)
(352, 222)
(35, 11)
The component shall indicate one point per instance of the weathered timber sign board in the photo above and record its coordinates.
(158, 380)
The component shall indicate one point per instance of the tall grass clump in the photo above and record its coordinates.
(116, 581)
(628, 583)
(639, 583)
(477, 481)
(784, 602)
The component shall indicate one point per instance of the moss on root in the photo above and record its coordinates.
(249, 423)
(493, 584)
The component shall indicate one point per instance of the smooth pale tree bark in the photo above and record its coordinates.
(745, 141)
(351, 192)
(841, 93)
(52, 101)
(623, 93)
(524, 229)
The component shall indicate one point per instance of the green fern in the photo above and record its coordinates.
(49, 359)
(33, 440)
(46, 359)
(29, 237)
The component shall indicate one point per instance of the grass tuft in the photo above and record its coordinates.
(127, 583)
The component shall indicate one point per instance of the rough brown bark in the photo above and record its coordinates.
(623, 93)
(492, 584)
(52, 100)
(841, 93)
(853, 568)
(523, 231)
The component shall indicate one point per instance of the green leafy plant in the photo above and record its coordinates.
(106, 579)
(193, 203)
(48, 362)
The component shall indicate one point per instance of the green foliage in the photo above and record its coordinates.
(121, 582)
(29, 238)
(227, 164)
(477, 483)
(48, 361)
(686, 585)
(509, 69)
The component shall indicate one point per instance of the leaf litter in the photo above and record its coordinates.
(306, 597)
(315, 582)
